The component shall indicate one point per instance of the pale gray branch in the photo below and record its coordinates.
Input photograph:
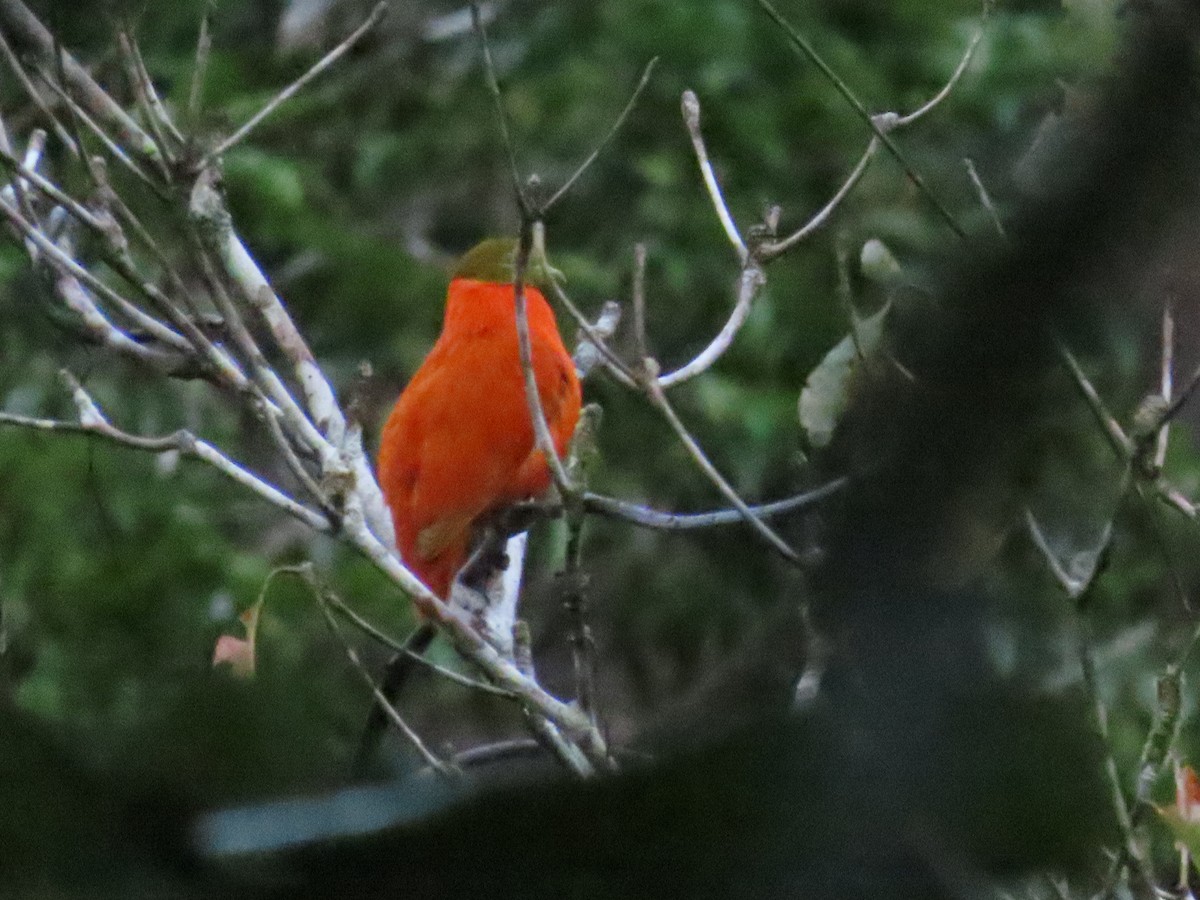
(93, 422)
(691, 118)
(749, 283)
(659, 399)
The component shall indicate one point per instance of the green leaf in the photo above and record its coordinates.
(826, 393)
(878, 263)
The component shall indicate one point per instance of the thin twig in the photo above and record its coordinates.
(985, 198)
(574, 578)
(574, 725)
(590, 341)
(296, 86)
(399, 647)
(54, 254)
(493, 83)
(500, 751)
(880, 125)
(541, 429)
(612, 132)
(157, 109)
(959, 70)
(322, 595)
(200, 66)
(1185, 394)
(543, 729)
(115, 150)
(1120, 804)
(583, 643)
(749, 283)
(1112, 430)
(1166, 380)
(142, 91)
(658, 399)
(616, 366)
(661, 521)
(47, 187)
(18, 189)
(640, 343)
(23, 28)
(1077, 590)
(845, 295)
(772, 249)
(182, 442)
(690, 105)
(35, 95)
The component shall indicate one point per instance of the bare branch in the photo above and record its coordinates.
(544, 730)
(652, 518)
(596, 337)
(690, 104)
(573, 724)
(640, 343)
(1074, 584)
(590, 339)
(35, 95)
(879, 125)
(158, 110)
(497, 752)
(959, 70)
(658, 398)
(749, 284)
(321, 593)
(27, 33)
(398, 647)
(612, 132)
(143, 90)
(200, 66)
(116, 150)
(47, 187)
(1181, 398)
(61, 261)
(772, 249)
(207, 209)
(493, 83)
(296, 86)
(92, 422)
(1112, 430)
(1087, 661)
(1077, 586)
(541, 430)
(1166, 381)
(984, 198)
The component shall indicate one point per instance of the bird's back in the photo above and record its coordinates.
(459, 442)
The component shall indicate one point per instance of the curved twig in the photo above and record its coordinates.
(662, 521)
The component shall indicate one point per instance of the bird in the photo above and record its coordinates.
(459, 443)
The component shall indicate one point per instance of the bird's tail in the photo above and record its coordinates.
(394, 678)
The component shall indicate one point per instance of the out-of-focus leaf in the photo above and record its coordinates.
(827, 390)
(239, 653)
(878, 263)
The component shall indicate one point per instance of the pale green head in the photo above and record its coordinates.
(495, 259)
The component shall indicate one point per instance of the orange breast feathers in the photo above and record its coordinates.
(459, 443)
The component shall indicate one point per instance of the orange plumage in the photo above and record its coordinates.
(459, 443)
